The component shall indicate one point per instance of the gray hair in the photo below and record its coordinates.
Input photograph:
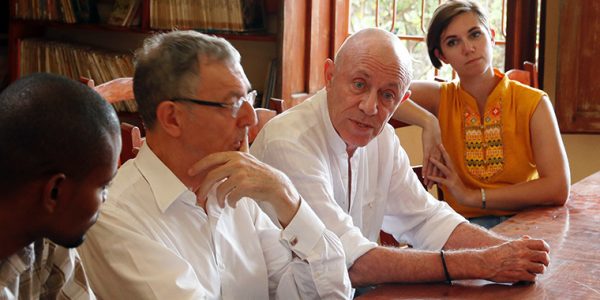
(168, 66)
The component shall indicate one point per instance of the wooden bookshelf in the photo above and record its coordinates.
(20, 29)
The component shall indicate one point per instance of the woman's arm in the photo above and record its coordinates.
(552, 186)
(425, 94)
(421, 110)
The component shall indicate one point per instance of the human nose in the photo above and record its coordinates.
(369, 104)
(246, 115)
(468, 46)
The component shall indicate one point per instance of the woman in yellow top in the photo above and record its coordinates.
(502, 150)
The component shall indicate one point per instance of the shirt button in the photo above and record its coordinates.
(294, 241)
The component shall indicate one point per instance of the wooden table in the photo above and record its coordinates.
(573, 233)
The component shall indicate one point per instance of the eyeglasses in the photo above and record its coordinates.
(235, 107)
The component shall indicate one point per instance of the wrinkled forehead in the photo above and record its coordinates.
(389, 59)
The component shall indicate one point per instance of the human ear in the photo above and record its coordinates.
(493, 36)
(54, 190)
(440, 56)
(169, 117)
(406, 95)
(328, 71)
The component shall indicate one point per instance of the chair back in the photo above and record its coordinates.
(528, 75)
(115, 91)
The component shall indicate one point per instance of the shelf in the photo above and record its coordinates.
(243, 36)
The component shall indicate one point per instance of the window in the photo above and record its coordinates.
(409, 20)
(314, 30)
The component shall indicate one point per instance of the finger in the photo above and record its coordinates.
(540, 257)
(446, 156)
(209, 162)
(216, 175)
(540, 245)
(443, 169)
(234, 197)
(439, 180)
(535, 268)
(224, 189)
(245, 148)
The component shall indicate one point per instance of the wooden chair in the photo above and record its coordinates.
(116, 90)
(528, 76)
(276, 105)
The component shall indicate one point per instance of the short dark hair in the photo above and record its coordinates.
(442, 17)
(51, 124)
(167, 66)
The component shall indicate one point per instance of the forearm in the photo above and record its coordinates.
(411, 113)
(383, 265)
(386, 265)
(541, 191)
(467, 235)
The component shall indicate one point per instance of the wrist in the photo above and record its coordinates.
(287, 207)
(471, 197)
(466, 264)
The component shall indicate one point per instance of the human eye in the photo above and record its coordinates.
(451, 42)
(359, 85)
(388, 96)
(476, 34)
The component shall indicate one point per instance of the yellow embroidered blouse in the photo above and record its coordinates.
(494, 151)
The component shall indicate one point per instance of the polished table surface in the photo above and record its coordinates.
(573, 233)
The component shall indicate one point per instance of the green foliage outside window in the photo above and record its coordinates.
(408, 23)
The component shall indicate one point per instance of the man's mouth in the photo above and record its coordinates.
(361, 124)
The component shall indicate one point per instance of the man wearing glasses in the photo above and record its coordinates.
(167, 234)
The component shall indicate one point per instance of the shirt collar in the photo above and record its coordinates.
(336, 143)
(165, 186)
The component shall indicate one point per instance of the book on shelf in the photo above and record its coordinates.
(66, 11)
(208, 15)
(74, 61)
(125, 12)
(270, 82)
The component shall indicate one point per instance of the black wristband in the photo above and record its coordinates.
(448, 279)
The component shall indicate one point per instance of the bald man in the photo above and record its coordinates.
(349, 166)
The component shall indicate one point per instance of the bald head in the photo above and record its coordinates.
(376, 43)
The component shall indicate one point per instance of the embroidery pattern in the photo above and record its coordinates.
(484, 154)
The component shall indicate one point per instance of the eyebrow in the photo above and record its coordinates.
(362, 73)
(469, 31)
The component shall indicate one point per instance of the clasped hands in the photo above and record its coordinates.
(514, 261)
(440, 170)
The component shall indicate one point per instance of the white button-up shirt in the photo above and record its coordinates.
(153, 242)
(386, 194)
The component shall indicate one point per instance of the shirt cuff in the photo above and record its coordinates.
(304, 231)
